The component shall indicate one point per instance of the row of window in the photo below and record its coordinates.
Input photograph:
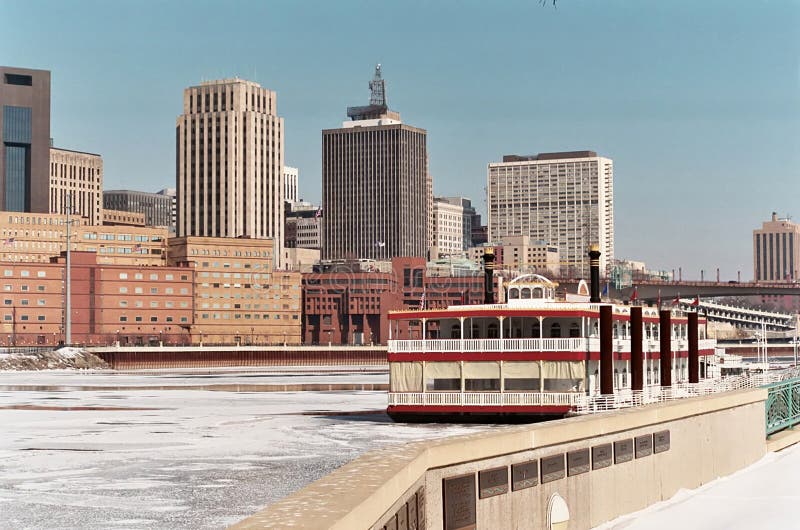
(152, 276)
(245, 316)
(139, 318)
(154, 290)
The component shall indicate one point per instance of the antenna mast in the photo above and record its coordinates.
(377, 88)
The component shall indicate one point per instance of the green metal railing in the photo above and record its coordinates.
(783, 405)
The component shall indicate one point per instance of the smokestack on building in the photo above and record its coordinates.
(488, 278)
(594, 271)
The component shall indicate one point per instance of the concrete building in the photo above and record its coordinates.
(304, 223)
(156, 207)
(375, 184)
(300, 259)
(172, 194)
(110, 303)
(520, 253)
(448, 229)
(230, 162)
(239, 297)
(290, 178)
(79, 175)
(776, 250)
(24, 140)
(27, 237)
(120, 218)
(565, 198)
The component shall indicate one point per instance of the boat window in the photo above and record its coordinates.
(535, 329)
(555, 331)
(526, 293)
(513, 294)
(492, 331)
(574, 330)
(455, 332)
(405, 377)
(443, 376)
(563, 376)
(482, 376)
(476, 332)
(537, 293)
(520, 376)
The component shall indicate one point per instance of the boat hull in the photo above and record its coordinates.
(475, 414)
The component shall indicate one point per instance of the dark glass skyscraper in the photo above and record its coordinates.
(25, 142)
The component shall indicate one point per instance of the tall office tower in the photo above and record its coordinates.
(230, 162)
(290, 178)
(776, 250)
(156, 207)
(24, 140)
(566, 199)
(375, 184)
(81, 176)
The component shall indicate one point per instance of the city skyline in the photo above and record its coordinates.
(702, 122)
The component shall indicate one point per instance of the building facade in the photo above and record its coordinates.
(30, 237)
(110, 303)
(519, 253)
(24, 140)
(239, 297)
(120, 218)
(776, 250)
(349, 302)
(156, 207)
(375, 185)
(230, 162)
(80, 176)
(448, 229)
(564, 198)
(290, 179)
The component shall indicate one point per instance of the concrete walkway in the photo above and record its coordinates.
(764, 495)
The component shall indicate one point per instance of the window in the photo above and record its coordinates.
(40, 318)
(123, 319)
(123, 290)
(153, 304)
(7, 287)
(24, 317)
(138, 290)
(138, 319)
(19, 79)
(153, 319)
(41, 274)
(24, 288)
(154, 290)
(123, 303)
(25, 274)
(6, 317)
(138, 276)
(123, 275)
(25, 301)
(154, 276)
(7, 272)
(7, 301)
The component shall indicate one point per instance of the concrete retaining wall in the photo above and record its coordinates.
(136, 358)
(708, 437)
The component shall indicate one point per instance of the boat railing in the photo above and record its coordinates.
(580, 344)
(567, 399)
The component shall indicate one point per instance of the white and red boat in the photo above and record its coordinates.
(537, 356)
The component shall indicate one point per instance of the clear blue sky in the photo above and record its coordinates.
(697, 103)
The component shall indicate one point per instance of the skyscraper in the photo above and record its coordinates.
(230, 162)
(776, 250)
(374, 184)
(24, 140)
(564, 199)
(78, 175)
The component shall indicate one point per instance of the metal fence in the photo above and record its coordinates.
(783, 405)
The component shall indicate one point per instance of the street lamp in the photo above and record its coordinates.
(117, 338)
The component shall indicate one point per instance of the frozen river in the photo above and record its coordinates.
(105, 450)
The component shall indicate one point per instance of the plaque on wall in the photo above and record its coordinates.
(459, 502)
(601, 456)
(644, 445)
(661, 441)
(421, 508)
(524, 475)
(623, 451)
(577, 462)
(552, 468)
(493, 482)
(413, 524)
(402, 517)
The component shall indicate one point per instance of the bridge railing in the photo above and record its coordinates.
(783, 405)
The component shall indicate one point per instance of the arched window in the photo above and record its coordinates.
(555, 330)
(574, 330)
(513, 294)
(537, 293)
(526, 293)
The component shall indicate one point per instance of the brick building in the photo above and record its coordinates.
(110, 303)
(349, 303)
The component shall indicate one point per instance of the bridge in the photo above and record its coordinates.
(649, 290)
(742, 317)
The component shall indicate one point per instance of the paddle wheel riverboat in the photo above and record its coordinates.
(536, 356)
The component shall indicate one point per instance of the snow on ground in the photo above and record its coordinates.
(763, 495)
(175, 458)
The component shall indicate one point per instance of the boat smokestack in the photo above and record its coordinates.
(594, 272)
(488, 276)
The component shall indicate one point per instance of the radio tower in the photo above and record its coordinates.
(377, 88)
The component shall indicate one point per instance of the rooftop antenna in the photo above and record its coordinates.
(377, 88)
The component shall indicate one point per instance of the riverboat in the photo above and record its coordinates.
(537, 355)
